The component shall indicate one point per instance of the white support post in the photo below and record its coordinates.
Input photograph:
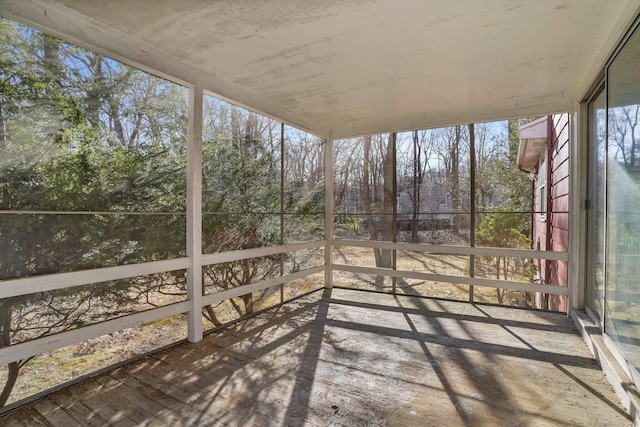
(328, 213)
(578, 194)
(194, 214)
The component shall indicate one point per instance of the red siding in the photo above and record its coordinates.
(561, 203)
(562, 152)
(555, 272)
(559, 238)
(560, 170)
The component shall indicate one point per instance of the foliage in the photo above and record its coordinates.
(242, 200)
(505, 229)
(93, 174)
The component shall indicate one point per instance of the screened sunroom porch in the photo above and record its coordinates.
(234, 136)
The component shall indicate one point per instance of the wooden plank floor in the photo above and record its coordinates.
(355, 359)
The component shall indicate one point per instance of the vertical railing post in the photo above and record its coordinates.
(282, 218)
(394, 259)
(579, 193)
(328, 213)
(472, 203)
(194, 213)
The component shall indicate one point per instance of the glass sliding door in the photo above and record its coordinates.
(622, 289)
(597, 162)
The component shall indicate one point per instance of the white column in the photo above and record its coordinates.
(328, 213)
(578, 194)
(194, 214)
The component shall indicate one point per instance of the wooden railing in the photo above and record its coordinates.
(51, 282)
(455, 250)
(30, 285)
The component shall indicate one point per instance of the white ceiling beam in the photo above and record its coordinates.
(493, 113)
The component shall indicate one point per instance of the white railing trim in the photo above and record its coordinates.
(51, 282)
(258, 286)
(230, 256)
(455, 250)
(462, 280)
(38, 346)
(28, 285)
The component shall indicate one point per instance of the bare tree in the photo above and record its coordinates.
(421, 148)
(623, 123)
(367, 197)
(346, 199)
(378, 190)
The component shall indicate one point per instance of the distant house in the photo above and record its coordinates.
(435, 210)
(544, 154)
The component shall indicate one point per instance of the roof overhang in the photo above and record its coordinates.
(344, 68)
(534, 137)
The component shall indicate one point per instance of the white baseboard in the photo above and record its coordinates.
(621, 382)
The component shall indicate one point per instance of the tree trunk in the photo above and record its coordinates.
(389, 201)
(12, 376)
(455, 175)
(211, 315)
(116, 123)
(51, 58)
(416, 189)
(498, 290)
(3, 128)
(248, 303)
(344, 180)
(372, 226)
(5, 340)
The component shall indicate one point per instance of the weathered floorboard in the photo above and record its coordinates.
(353, 359)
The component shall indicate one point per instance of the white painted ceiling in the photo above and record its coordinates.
(342, 68)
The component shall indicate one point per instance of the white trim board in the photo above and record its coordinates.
(258, 286)
(221, 257)
(460, 280)
(42, 345)
(456, 250)
(51, 282)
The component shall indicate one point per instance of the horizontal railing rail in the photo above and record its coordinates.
(47, 343)
(51, 282)
(230, 256)
(461, 280)
(132, 213)
(258, 286)
(30, 285)
(456, 250)
(34, 284)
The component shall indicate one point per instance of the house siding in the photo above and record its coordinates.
(555, 223)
